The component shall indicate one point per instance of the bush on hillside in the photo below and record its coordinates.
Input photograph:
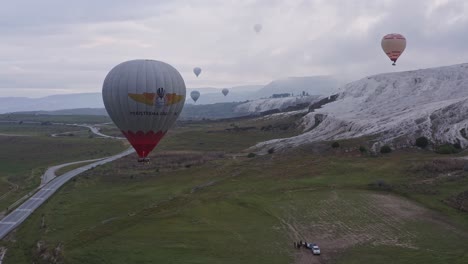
(447, 149)
(271, 151)
(422, 142)
(380, 185)
(385, 149)
(251, 155)
(362, 149)
(335, 145)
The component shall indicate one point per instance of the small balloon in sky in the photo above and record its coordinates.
(225, 91)
(197, 71)
(195, 95)
(393, 45)
(257, 28)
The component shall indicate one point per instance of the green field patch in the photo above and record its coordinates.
(197, 203)
(24, 159)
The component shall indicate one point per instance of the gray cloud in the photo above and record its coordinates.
(68, 46)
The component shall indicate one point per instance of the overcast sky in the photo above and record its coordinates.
(56, 46)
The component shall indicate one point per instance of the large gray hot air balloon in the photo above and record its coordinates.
(197, 71)
(257, 28)
(225, 91)
(195, 95)
(144, 99)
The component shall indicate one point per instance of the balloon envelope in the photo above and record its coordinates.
(197, 71)
(258, 28)
(143, 98)
(195, 95)
(225, 91)
(393, 45)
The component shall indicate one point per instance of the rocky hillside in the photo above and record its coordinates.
(282, 104)
(394, 108)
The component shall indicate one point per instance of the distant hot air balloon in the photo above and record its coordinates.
(393, 45)
(197, 71)
(257, 28)
(225, 91)
(144, 99)
(195, 95)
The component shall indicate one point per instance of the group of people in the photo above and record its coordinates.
(301, 243)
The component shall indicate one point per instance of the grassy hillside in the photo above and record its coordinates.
(201, 200)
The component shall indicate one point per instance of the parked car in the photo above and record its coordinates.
(310, 245)
(315, 250)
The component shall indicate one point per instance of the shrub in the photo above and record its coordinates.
(251, 155)
(446, 149)
(335, 145)
(271, 151)
(422, 142)
(385, 149)
(465, 168)
(362, 149)
(457, 146)
(380, 185)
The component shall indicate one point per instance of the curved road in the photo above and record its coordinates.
(96, 131)
(50, 172)
(93, 129)
(48, 188)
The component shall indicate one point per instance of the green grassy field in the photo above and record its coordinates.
(23, 159)
(209, 203)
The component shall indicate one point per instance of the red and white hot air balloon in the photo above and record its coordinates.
(393, 45)
(144, 98)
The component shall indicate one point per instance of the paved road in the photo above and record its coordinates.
(17, 216)
(50, 172)
(96, 131)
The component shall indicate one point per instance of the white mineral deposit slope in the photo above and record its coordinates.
(260, 105)
(405, 105)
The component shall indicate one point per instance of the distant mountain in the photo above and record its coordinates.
(214, 95)
(209, 111)
(313, 85)
(49, 103)
(393, 108)
(317, 85)
(190, 112)
(77, 111)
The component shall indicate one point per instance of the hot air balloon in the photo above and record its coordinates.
(393, 45)
(197, 71)
(143, 98)
(225, 91)
(257, 28)
(195, 95)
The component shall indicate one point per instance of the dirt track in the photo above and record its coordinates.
(342, 221)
